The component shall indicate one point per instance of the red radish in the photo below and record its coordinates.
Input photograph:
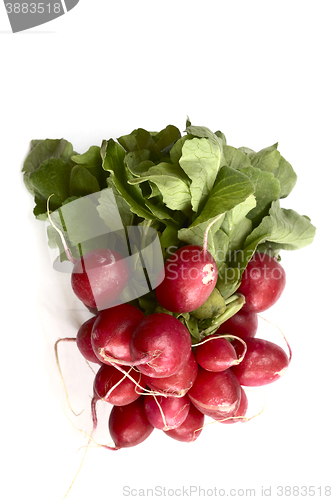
(263, 282)
(112, 332)
(83, 341)
(191, 428)
(116, 388)
(179, 383)
(93, 310)
(165, 341)
(166, 413)
(264, 362)
(216, 395)
(190, 277)
(128, 425)
(215, 354)
(242, 324)
(99, 277)
(241, 412)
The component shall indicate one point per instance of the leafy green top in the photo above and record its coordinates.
(177, 184)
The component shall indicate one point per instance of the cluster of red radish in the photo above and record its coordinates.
(150, 371)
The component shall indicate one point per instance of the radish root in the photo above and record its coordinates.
(110, 359)
(237, 361)
(63, 241)
(283, 335)
(162, 413)
(242, 419)
(143, 389)
(80, 466)
(65, 339)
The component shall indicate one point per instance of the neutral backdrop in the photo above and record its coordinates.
(260, 72)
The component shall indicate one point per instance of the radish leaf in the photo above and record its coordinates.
(231, 188)
(201, 161)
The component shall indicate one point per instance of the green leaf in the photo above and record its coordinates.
(167, 138)
(283, 228)
(114, 210)
(90, 157)
(239, 235)
(270, 160)
(148, 303)
(171, 182)
(210, 325)
(44, 150)
(82, 182)
(155, 192)
(228, 280)
(141, 139)
(204, 132)
(234, 216)
(201, 160)
(231, 188)
(247, 151)
(41, 151)
(235, 158)
(113, 161)
(176, 150)
(162, 213)
(272, 249)
(222, 137)
(34, 143)
(40, 208)
(191, 324)
(286, 176)
(236, 225)
(138, 162)
(52, 177)
(169, 237)
(92, 161)
(266, 159)
(267, 189)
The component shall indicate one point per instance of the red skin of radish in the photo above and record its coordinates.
(175, 411)
(93, 310)
(165, 340)
(99, 277)
(242, 324)
(264, 362)
(216, 355)
(179, 383)
(241, 412)
(190, 429)
(125, 393)
(263, 282)
(190, 277)
(128, 425)
(216, 395)
(112, 331)
(83, 341)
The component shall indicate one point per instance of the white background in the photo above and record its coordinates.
(261, 73)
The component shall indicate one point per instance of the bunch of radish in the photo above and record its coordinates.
(150, 371)
(175, 342)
